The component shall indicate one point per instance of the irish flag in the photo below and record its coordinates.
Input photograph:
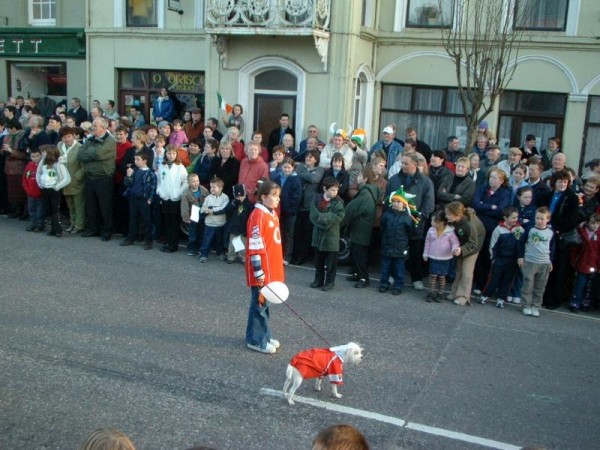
(224, 105)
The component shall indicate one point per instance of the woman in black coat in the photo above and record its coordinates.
(226, 167)
(563, 204)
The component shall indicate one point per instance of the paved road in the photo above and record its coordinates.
(93, 335)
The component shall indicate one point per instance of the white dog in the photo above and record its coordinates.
(318, 363)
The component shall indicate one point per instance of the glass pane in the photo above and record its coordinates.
(508, 101)
(276, 80)
(592, 149)
(454, 106)
(542, 103)
(428, 99)
(134, 79)
(427, 13)
(141, 13)
(396, 97)
(594, 110)
(504, 133)
(37, 11)
(541, 14)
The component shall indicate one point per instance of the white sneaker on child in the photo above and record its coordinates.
(535, 311)
(516, 300)
(527, 311)
(483, 299)
(509, 299)
(500, 303)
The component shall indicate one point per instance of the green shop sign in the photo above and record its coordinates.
(42, 43)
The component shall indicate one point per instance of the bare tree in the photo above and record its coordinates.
(481, 43)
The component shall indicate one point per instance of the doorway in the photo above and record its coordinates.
(268, 109)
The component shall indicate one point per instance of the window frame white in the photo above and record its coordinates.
(401, 12)
(35, 22)
(572, 23)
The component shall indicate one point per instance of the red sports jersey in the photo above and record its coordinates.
(318, 362)
(264, 239)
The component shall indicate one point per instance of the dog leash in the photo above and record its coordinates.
(307, 324)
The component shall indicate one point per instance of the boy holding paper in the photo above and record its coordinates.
(191, 201)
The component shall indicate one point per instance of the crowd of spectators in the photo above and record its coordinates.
(149, 180)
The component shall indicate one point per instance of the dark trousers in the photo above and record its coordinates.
(35, 208)
(302, 237)
(172, 220)
(325, 267)
(483, 264)
(195, 235)
(99, 205)
(288, 226)
(359, 255)
(52, 200)
(139, 218)
(394, 267)
(157, 220)
(554, 294)
(415, 260)
(502, 276)
(212, 236)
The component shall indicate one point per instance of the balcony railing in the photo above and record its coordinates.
(271, 17)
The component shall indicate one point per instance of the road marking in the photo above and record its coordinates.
(397, 422)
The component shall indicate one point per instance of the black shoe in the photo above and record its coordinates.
(126, 242)
(89, 234)
(573, 309)
(38, 229)
(361, 284)
(105, 238)
(147, 246)
(383, 289)
(396, 291)
(51, 233)
(58, 234)
(316, 284)
(438, 297)
(24, 217)
(296, 262)
(140, 239)
(551, 307)
(30, 228)
(353, 277)
(430, 296)
(327, 287)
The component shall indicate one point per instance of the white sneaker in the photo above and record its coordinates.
(268, 348)
(477, 291)
(509, 299)
(535, 311)
(516, 300)
(275, 343)
(483, 299)
(418, 285)
(286, 262)
(500, 303)
(527, 311)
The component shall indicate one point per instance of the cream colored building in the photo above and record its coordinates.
(359, 63)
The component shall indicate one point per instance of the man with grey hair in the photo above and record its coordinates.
(559, 162)
(98, 156)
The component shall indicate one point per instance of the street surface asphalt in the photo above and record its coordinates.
(96, 335)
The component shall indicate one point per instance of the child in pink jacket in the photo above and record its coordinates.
(178, 136)
(439, 244)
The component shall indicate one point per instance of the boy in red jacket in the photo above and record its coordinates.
(588, 260)
(35, 204)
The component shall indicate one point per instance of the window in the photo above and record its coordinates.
(368, 13)
(42, 12)
(427, 13)
(47, 77)
(435, 112)
(591, 149)
(141, 13)
(547, 15)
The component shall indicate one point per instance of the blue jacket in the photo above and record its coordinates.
(204, 168)
(391, 151)
(504, 244)
(483, 202)
(164, 109)
(396, 228)
(291, 193)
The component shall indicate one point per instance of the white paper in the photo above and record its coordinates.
(238, 244)
(195, 214)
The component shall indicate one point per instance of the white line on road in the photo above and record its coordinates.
(396, 421)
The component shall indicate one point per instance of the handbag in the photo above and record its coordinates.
(571, 238)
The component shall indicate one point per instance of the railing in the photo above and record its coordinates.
(274, 16)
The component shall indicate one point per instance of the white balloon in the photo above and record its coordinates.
(275, 292)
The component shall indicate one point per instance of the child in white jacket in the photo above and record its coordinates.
(171, 184)
(51, 176)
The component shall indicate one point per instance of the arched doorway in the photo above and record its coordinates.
(274, 86)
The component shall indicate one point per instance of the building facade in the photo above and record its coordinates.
(356, 63)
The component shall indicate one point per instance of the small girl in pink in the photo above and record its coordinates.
(178, 136)
(440, 242)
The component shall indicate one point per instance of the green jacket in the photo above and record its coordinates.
(326, 231)
(75, 168)
(98, 156)
(360, 215)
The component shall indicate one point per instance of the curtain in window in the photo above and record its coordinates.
(542, 14)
